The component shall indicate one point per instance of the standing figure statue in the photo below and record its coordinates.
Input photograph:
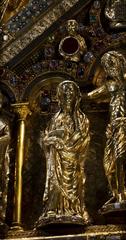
(66, 142)
(114, 65)
(4, 161)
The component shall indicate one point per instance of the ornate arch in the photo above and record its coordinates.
(44, 79)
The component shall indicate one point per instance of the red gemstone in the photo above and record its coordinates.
(70, 45)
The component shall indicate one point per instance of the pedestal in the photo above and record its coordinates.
(114, 213)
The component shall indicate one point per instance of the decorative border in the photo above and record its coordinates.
(38, 29)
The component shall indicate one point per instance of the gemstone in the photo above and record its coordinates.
(36, 67)
(88, 57)
(13, 81)
(53, 64)
(80, 72)
(70, 45)
(92, 18)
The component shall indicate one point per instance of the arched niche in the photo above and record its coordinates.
(34, 169)
(45, 79)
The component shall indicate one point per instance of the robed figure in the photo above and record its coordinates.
(66, 143)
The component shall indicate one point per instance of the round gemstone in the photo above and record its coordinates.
(70, 45)
(88, 57)
(80, 72)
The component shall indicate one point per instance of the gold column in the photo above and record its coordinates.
(22, 110)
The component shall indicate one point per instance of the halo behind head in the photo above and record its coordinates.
(76, 88)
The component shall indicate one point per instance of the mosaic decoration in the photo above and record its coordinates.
(19, 44)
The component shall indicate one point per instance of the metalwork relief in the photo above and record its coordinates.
(10, 8)
(66, 143)
(72, 46)
(63, 121)
(115, 11)
(4, 161)
(114, 64)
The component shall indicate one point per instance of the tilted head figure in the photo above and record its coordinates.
(114, 64)
(68, 94)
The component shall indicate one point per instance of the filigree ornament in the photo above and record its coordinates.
(72, 46)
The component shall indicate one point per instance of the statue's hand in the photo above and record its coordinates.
(59, 133)
(57, 142)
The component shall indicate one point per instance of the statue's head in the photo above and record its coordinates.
(1, 99)
(68, 94)
(114, 64)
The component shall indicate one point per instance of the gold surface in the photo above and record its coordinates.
(22, 110)
(66, 143)
(114, 65)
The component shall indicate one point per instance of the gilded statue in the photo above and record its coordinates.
(66, 143)
(114, 64)
(9, 8)
(115, 11)
(4, 161)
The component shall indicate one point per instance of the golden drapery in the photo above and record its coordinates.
(66, 142)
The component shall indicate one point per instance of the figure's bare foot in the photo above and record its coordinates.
(87, 218)
(51, 214)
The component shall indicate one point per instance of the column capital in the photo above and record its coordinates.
(22, 109)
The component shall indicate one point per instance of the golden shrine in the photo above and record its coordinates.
(63, 119)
